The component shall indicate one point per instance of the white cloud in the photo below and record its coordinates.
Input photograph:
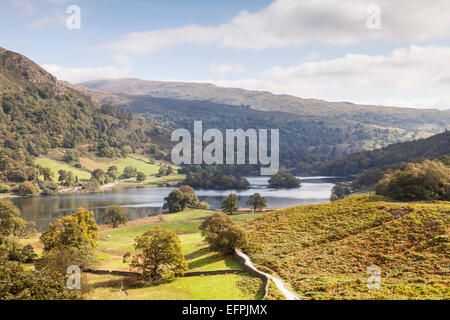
(225, 68)
(77, 75)
(41, 15)
(122, 60)
(298, 22)
(417, 76)
(25, 6)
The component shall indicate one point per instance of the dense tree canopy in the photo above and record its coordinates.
(182, 198)
(77, 230)
(284, 180)
(339, 191)
(11, 224)
(39, 115)
(140, 177)
(129, 172)
(160, 255)
(18, 284)
(230, 204)
(421, 149)
(215, 180)
(429, 180)
(222, 234)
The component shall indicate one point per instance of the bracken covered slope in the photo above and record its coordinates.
(324, 251)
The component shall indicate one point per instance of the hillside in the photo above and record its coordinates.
(38, 113)
(304, 139)
(323, 251)
(429, 148)
(432, 121)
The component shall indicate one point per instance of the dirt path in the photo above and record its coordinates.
(280, 285)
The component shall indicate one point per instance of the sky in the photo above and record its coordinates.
(382, 52)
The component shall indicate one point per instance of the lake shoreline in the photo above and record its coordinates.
(142, 201)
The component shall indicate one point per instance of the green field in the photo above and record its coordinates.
(88, 165)
(218, 287)
(104, 163)
(55, 166)
(171, 179)
(114, 243)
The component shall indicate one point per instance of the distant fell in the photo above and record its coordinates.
(427, 120)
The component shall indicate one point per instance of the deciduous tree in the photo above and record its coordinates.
(257, 202)
(115, 216)
(222, 234)
(77, 230)
(229, 205)
(161, 255)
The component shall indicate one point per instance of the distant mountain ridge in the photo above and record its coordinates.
(427, 120)
(305, 139)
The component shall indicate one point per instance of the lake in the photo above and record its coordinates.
(142, 202)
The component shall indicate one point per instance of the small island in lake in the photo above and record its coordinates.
(284, 180)
(215, 181)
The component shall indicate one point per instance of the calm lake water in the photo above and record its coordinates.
(142, 202)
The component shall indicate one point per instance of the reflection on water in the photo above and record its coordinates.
(137, 203)
(140, 203)
(313, 190)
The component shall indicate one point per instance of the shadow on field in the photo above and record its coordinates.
(196, 254)
(229, 260)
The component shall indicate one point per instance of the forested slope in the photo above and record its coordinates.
(38, 113)
(429, 148)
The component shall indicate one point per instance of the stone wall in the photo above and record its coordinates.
(187, 274)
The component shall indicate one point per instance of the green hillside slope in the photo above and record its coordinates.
(39, 113)
(430, 148)
(304, 139)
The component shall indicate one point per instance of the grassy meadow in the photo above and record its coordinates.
(55, 166)
(104, 163)
(90, 164)
(114, 243)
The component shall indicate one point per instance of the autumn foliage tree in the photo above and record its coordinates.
(222, 234)
(11, 223)
(27, 189)
(77, 230)
(160, 255)
(16, 283)
(429, 180)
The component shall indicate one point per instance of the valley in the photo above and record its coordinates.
(90, 165)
